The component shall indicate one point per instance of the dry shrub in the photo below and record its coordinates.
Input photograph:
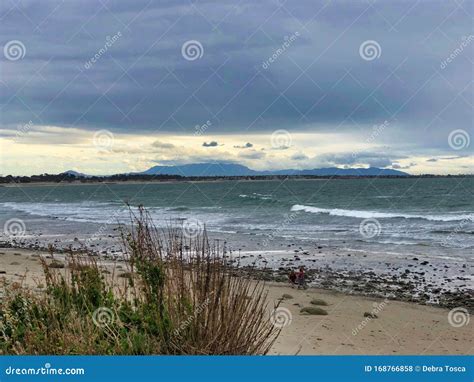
(180, 296)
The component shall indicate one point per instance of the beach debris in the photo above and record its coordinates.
(313, 311)
(286, 296)
(370, 315)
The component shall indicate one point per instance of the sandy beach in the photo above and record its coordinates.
(393, 327)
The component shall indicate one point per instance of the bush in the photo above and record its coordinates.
(180, 296)
(317, 301)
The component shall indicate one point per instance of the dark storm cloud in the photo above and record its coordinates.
(263, 65)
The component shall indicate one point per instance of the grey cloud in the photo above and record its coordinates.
(378, 162)
(252, 154)
(246, 146)
(397, 166)
(370, 158)
(163, 145)
(453, 157)
(299, 156)
(448, 158)
(210, 144)
(142, 83)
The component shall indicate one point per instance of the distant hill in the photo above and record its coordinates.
(230, 169)
(74, 173)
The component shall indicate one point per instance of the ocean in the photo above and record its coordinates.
(364, 224)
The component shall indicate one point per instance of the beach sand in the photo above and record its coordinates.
(400, 327)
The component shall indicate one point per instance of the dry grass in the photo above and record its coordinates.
(180, 296)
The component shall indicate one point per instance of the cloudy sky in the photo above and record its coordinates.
(111, 86)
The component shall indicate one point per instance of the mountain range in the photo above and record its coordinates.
(232, 169)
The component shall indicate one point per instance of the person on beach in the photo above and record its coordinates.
(301, 279)
(292, 277)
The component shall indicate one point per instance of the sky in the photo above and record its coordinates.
(104, 87)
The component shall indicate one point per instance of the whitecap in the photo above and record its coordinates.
(378, 215)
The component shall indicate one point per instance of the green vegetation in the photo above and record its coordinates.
(317, 301)
(179, 297)
(56, 264)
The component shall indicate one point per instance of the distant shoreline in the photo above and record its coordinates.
(12, 181)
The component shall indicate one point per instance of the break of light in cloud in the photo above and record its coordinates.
(97, 154)
(384, 83)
